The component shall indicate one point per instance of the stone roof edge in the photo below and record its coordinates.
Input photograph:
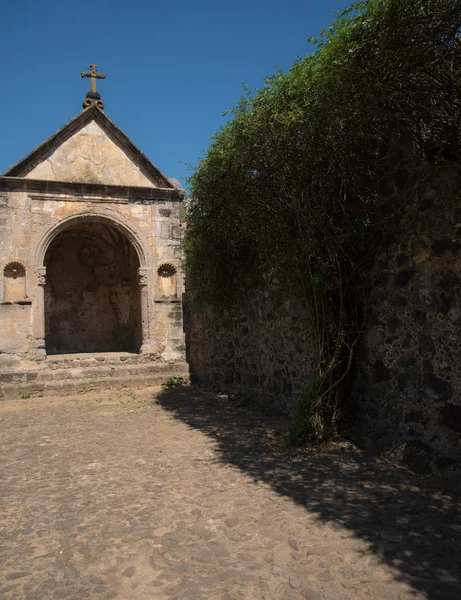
(46, 148)
(89, 189)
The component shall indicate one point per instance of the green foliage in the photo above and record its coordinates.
(307, 422)
(292, 186)
(174, 381)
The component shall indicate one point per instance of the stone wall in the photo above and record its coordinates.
(258, 347)
(407, 389)
(15, 321)
(405, 392)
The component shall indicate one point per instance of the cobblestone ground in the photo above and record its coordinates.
(171, 495)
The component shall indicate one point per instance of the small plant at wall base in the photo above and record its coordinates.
(174, 381)
(306, 180)
(307, 422)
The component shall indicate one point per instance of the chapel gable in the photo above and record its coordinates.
(91, 156)
(90, 149)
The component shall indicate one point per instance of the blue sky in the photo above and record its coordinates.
(172, 68)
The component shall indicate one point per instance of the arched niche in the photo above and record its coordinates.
(92, 294)
(43, 241)
(14, 282)
(48, 233)
(167, 282)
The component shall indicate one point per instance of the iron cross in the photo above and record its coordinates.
(93, 76)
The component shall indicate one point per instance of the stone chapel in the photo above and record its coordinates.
(90, 260)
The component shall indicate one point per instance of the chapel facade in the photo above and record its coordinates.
(90, 252)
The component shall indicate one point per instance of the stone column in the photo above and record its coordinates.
(147, 347)
(39, 314)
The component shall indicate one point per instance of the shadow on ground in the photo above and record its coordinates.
(407, 522)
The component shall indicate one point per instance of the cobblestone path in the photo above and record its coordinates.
(175, 498)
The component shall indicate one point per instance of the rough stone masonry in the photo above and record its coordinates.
(405, 390)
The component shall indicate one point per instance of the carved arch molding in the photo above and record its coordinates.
(47, 234)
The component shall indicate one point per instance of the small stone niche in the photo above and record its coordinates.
(14, 282)
(167, 276)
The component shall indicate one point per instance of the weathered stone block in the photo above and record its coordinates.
(450, 415)
(402, 278)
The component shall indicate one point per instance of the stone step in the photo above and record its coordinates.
(58, 361)
(90, 372)
(46, 381)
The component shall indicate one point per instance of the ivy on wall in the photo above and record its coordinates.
(301, 183)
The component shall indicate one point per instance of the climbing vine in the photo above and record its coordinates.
(303, 184)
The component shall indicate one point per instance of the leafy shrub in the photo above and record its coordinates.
(303, 184)
(174, 381)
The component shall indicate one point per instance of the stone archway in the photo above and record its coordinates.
(129, 302)
(92, 296)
